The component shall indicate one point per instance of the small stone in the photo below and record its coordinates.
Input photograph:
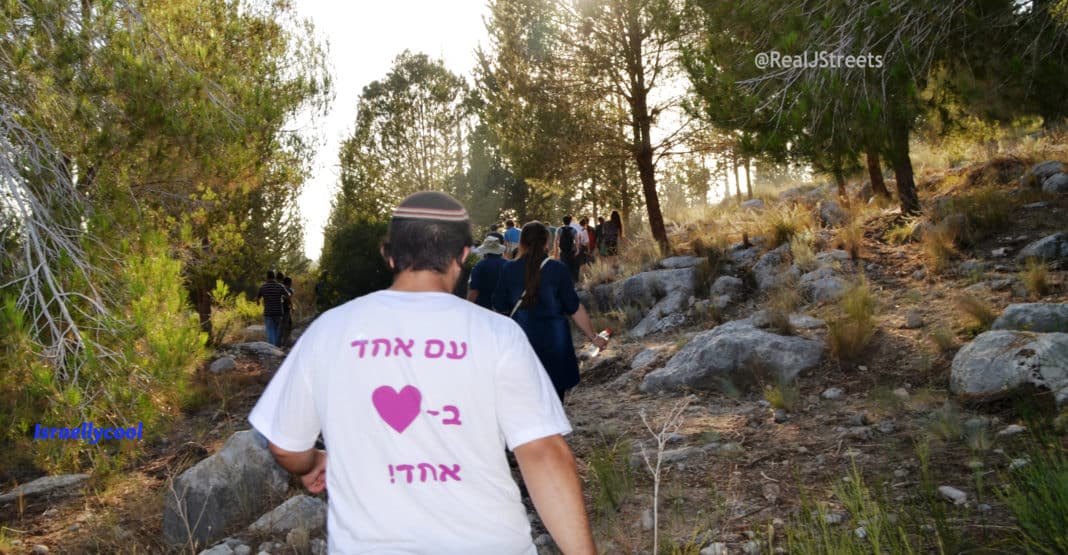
(802, 449)
(860, 433)
(1011, 430)
(885, 426)
(901, 393)
(901, 473)
(984, 508)
(244, 550)
(1000, 252)
(860, 533)
(74, 527)
(778, 522)
(224, 364)
(956, 496)
(1019, 463)
(860, 419)
(862, 368)
(39, 549)
(751, 547)
(780, 416)
(975, 465)
(919, 275)
(50, 513)
(1036, 205)
(676, 438)
(832, 393)
(221, 549)
(771, 492)
(764, 403)
(834, 518)
(715, 549)
(913, 320)
(647, 519)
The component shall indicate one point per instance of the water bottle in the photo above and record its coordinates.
(593, 350)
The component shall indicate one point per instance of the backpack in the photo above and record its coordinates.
(567, 241)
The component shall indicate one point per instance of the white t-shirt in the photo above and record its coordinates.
(581, 236)
(417, 396)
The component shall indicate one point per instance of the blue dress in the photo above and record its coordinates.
(484, 278)
(546, 324)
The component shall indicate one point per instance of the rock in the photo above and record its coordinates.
(1011, 430)
(734, 352)
(913, 319)
(666, 292)
(860, 419)
(647, 519)
(998, 362)
(779, 416)
(1036, 205)
(833, 518)
(677, 262)
(647, 357)
(971, 267)
(751, 547)
(1036, 317)
(585, 298)
(714, 549)
(740, 255)
(901, 393)
(298, 540)
(255, 332)
(261, 349)
(753, 204)
(831, 257)
(301, 511)
(953, 494)
(919, 275)
(765, 318)
(39, 549)
(1056, 183)
(1000, 252)
(47, 486)
(224, 364)
(822, 285)
(775, 268)
(318, 547)
(859, 433)
(885, 426)
(221, 549)
(771, 492)
(1019, 463)
(1050, 247)
(832, 215)
(242, 550)
(224, 490)
(728, 285)
(832, 394)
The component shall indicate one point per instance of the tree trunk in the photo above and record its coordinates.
(875, 173)
(902, 164)
(641, 123)
(748, 181)
(737, 178)
(202, 296)
(840, 180)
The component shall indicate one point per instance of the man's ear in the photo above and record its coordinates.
(389, 259)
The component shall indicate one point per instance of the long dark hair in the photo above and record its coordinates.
(617, 221)
(533, 239)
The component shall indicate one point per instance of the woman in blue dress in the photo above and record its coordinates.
(538, 293)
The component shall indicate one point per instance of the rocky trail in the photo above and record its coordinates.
(765, 421)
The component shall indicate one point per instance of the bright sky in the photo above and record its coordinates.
(364, 37)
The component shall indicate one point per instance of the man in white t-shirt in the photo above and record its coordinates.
(417, 394)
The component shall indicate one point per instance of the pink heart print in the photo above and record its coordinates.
(398, 409)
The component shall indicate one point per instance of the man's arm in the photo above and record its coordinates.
(310, 465)
(549, 471)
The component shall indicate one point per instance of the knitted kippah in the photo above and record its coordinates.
(430, 206)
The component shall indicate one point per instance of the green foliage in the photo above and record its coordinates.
(850, 332)
(610, 470)
(353, 262)
(986, 212)
(783, 395)
(1035, 277)
(1037, 496)
(980, 311)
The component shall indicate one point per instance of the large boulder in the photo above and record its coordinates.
(676, 262)
(223, 364)
(260, 349)
(301, 511)
(1056, 183)
(1050, 247)
(823, 285)
(775, 268)
(47, 486)
(1036, 317)
(1036, 177)
(729, 286)
(999, 362)
(832, 214)
(666, 293)
(741, 255)
(223, 491)
(753, 204)
(735, 354)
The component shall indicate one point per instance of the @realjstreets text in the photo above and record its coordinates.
(89, 432)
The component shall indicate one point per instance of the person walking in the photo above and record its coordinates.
(538, 292)
(273, 295)
(612, 235)
(417, 393)
(487, 272)
(511, 239)
(567, 247)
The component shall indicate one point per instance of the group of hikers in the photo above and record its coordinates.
(574, 243)
(418, 393)
(277, 296)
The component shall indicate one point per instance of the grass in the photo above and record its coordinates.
(781, 223)
(610, 472)
(981, 313)
(851, 331)
(1035, 276)
(1037, 496)
(939, 247)
(786, 396)
(851, 236)
(803, 253)
(986, 212)
(943, 338)
(903, 232)
(600, 271)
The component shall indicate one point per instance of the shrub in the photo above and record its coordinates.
(784, 222)
(783, 395)
(978, 309)
(853, 328)
(986, 212)
(803, 253)
(1037, 495)
(1035, 277)
(610, 471)
(851, 236)
(939, 247)
(354, 263)
(903, 232)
